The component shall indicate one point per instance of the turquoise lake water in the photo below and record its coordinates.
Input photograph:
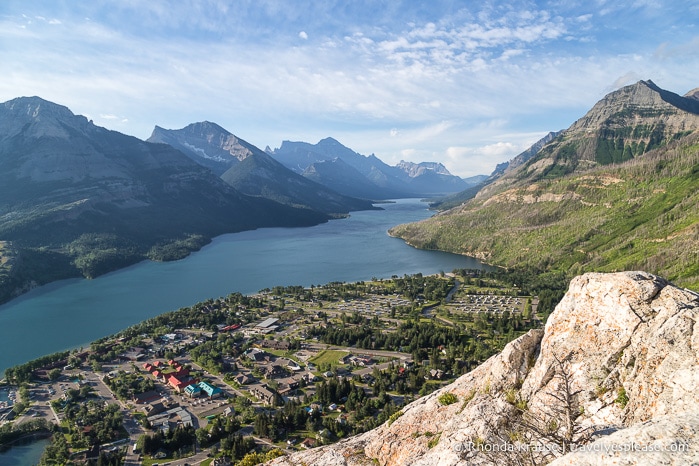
(72, 313)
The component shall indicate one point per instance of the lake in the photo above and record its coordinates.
(24, 454)
(72, 313)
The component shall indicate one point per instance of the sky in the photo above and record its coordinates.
(466, 83)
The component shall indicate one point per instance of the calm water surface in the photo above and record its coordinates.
(72, 313)
(24, 455)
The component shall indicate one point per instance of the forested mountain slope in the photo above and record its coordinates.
(77, 199)
(572, 209)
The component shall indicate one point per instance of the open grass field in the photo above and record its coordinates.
(328, 356)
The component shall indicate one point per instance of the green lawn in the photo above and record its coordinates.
(328, 357)
(285, 354)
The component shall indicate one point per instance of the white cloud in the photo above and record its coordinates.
(468, 87)
(469, 161)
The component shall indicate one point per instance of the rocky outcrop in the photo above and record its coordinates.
(617, 363)
(665, 440)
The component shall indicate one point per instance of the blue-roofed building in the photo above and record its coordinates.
(210, 390)
(192, 390)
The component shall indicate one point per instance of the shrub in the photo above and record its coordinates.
(394, 416)
(621, 397)
(447, 399)
(433, 441)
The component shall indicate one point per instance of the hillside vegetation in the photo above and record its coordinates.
(638, 215)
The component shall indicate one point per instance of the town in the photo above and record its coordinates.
(242, 379)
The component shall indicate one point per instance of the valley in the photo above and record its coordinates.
(71, 313)
(251, 376)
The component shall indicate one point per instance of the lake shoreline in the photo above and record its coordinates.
(73, 312)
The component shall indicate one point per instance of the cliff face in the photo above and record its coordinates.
(616, 365)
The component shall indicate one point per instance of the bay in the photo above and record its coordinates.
(24, 454)
(72, 313)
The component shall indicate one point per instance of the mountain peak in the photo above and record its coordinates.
(208, 144)
(627, 123)
(46, 119)
(693, 94)
(417, 169)
(329, 141)
(35, 108)
(206, 126)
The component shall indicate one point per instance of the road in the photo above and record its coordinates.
(427, 312)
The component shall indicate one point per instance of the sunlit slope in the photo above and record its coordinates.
(641, 214)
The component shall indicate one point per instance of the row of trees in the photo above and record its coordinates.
(180, 440)
(23, 372)
(10, 432)
(125, 386)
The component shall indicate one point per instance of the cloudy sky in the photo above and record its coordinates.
(466, 83)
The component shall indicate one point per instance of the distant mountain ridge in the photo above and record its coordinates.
(617, 190)
(206, 143)
(252, 171)
(479, 182)
(523, 157)
(405, 180)
(418, 169)
(78, 199)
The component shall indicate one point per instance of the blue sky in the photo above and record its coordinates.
(466, 83)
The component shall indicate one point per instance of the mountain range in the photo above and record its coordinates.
(253, 172)
(617, 190)
(77, 199)
(331, 164)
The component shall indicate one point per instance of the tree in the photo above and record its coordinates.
(261, 425)
(558, 422)
(202, 437)
(533, 437)
(527, 313)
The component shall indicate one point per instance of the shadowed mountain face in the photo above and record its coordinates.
(99, 199)
(251, 171)
(320, 162)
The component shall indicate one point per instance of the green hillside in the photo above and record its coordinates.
(641, 214)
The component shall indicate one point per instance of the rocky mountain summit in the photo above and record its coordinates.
(611, 379)
(252, 171)
(417, 169)
(207, 144)
(624, 124)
